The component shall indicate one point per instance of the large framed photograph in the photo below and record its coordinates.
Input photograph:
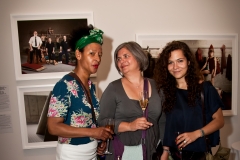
(33, 102)
(41, 61)
(225, 51)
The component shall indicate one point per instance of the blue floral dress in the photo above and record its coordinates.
(69, 102)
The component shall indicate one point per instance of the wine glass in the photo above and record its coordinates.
(109, 124)
(143, 100)
(179, 149)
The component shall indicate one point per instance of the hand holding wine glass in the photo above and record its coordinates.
(179, 149)
(109, 124)
(143, 100)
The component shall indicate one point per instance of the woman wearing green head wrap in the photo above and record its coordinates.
(74, 107)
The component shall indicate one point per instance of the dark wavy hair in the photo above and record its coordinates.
(76, 34)
(166, 83)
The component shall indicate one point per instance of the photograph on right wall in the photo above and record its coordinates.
(213, 53)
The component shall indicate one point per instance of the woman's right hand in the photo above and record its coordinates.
(139, 123)
(101, 148)
(102, 133)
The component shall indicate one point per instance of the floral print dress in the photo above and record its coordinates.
(69, 102)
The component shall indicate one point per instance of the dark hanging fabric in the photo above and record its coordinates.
(223, 61)
(198, 54)
(200, 60)
(229, 68)
(149, 71)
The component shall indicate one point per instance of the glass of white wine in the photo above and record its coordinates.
(143, 100)
(109, 124)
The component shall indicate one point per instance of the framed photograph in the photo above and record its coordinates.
(225, 51)
(33, 104)
(41, 61)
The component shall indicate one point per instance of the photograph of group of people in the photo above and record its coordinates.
(49, 50)
(43, 45)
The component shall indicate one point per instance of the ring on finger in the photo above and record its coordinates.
(184, 141)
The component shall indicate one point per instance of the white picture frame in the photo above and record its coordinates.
(156, 42)
(32, 18)
(31, 90)
(31, 140)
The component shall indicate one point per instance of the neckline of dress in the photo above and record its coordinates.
(181, 89)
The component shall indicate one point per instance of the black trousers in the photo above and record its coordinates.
(188, 155)
(38, 52)
(51, 55)
(66, 55)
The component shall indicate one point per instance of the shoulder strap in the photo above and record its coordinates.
(145, 87)
(86, 93)
(204, 117)
(144, 133)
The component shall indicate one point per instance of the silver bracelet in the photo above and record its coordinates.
(164, 149)
(203, 134)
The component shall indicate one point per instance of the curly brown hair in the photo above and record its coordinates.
(166, 83)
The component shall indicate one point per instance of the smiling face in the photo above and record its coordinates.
(178, 64)
(90, 59)
(126, 62)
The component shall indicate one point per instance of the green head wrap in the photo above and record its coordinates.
(94, 37)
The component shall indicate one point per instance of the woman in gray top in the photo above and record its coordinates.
(120, 101)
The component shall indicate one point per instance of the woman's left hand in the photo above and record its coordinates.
(139, 123)
(186, 138)
(101, 148)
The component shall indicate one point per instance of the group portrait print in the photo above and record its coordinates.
(40, 44)
(217, 53)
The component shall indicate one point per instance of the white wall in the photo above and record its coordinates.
(120, 20)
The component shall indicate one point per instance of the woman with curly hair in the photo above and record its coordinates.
(179, 81)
